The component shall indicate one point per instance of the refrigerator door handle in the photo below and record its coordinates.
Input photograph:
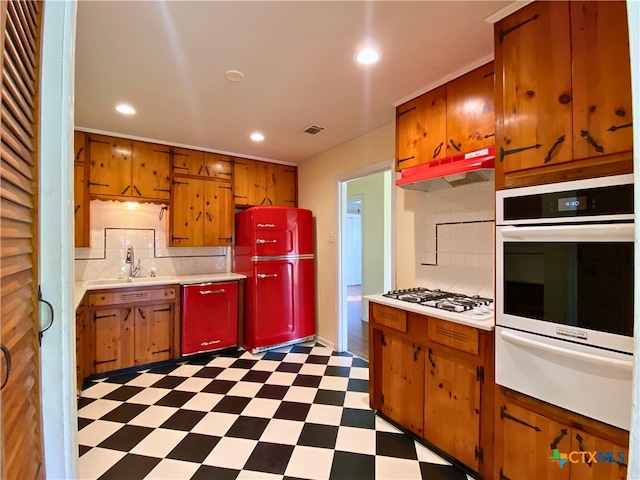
(267, 275)
(209, 292)
(262, 240)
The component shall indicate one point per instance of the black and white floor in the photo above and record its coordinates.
(296, 412)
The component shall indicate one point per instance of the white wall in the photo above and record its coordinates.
(371, 189)
(318, 180)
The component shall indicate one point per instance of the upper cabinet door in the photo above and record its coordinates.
(471, 123)
(187, 162)
(533, 87)
(185, 213)
(281, 185)
(151, 173)
(110, 165)
(218, 166)
(218, 214)
(249, 182)
(601, 79)
(421, 129)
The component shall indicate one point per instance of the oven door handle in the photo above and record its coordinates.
(620, 232)
(586, 357)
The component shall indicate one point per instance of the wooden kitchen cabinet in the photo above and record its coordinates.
(124, 169)
(187, 162)
(528, 431)
(218, 166)
(471, 111)
(264, 183)
(150, 175)
(109, 165)
(563, 93)
(125, 327)
(281, 185)
(421, 129)
(452, 405)
(401, 380)
(201, 213)
(436, 379)
(80, 193)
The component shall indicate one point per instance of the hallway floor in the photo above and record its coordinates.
(299, 412)
(357, 329)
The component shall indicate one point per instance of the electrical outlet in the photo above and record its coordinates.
(332, 237)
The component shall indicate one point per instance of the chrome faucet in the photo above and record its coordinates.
(134, 269)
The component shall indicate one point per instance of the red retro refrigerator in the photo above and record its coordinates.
(275, 250)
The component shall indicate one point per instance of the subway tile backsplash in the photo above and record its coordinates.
(454, 239)
(116, 225)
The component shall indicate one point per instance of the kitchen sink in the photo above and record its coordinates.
(115, 282)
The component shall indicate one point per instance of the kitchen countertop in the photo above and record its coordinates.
(81, 287)
(488, 324)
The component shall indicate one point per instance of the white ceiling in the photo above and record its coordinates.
(168, 58)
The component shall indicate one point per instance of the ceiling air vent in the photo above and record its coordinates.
(313, 129)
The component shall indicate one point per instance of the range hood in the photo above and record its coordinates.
(450, 172)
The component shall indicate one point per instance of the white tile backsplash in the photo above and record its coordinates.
(116, 225)
(455, 231)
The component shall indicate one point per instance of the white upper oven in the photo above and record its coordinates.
(564, 293)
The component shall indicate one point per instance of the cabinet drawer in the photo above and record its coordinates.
(389, 317)
(116, 297)
(453, 335)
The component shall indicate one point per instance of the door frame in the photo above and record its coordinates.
(341, 320)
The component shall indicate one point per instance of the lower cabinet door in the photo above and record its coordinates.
(526, 444)
(603, 459)
(114, 339)
(153, 328)
(452, 407)
(402, 382)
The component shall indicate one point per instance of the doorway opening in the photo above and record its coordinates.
(365, 258)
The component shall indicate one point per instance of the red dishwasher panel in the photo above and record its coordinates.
(209, 317)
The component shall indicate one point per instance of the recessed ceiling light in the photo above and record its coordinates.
(256, 137)
(234, 75)
(125, 109)
(368, 55)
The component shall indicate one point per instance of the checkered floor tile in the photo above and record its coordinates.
(299, 412)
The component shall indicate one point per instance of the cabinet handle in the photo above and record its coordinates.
(209, 216)
(207, 170)
(76, 209)
(503, 33)
(177, 167)
(173, 239)
(489, 135)
(7, 357)
(141, 313)
(581, 447)
(267, 275)
(239, 196)
(53, 315)
(225, 173)
(127, 315)
(487, 75)
(560, 139)
(437, 150)
(92, 184)
(613, 128)
(453, 144)
(585, 134)
(415, 354)
(79, 153)
(200, 170)
(125, 190)
(504, 153)
(209, 292)
(555, 443)
(261, 241)
(199, 215)
(263, 200)
(137, 191)
(400, 160)
(433, 364)
(168, 190)
(503, 415)
(168, 309)
(176, 182)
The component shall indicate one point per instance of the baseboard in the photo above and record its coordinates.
(325, 342)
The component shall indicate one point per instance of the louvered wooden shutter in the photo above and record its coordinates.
(21, 423)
